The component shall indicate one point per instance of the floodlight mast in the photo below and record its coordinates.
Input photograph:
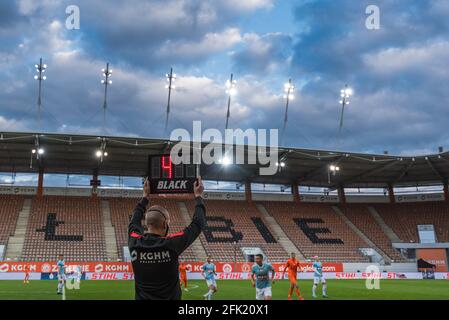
(230, 90)
(288, 95)
(107, 73)
(345, 94)
(40, 68)
(170, 79)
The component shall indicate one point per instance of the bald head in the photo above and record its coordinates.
(157, 220)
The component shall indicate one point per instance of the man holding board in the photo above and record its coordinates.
(154, 252)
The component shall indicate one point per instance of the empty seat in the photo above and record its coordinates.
(10, 206)
(359, 215)
(72, 226)
(316, 229)
(232, 225)
(404, 218)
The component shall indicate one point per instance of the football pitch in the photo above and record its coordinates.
(232, 290)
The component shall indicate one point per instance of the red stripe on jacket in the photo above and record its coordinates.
(174, 235)
(135, 235)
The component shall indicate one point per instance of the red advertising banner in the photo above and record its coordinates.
(230, 267)
(125, 267)
(437, 257)
(48, 267)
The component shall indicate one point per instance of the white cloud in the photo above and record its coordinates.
(12, 125)
(211, 43)
(264, 53)
(248, 5)
(428, 58)
(29, 7)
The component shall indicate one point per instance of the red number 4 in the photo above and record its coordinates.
(167, 166)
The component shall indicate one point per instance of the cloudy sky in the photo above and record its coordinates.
(399, 72)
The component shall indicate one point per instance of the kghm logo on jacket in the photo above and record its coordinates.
(151, 257)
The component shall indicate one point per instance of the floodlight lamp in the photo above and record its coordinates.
(225, 161)
(232, 91)
(230, 84)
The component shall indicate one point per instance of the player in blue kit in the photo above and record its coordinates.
(260, 278)
(318, 277)
(209, 274)
(61, 274)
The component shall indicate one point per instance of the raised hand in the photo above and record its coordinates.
(198, 187)
(146, 189)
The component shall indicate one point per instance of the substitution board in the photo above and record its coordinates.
(167, 177)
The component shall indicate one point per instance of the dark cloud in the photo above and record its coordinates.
(262, 54)
(398, 104)
(398, 72)
(8, 13)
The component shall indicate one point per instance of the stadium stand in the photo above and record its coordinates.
(10, 207)
(71, 226)
(121, 210)
(404, 218)
(232, 225)
(359, 215)
(335, 241)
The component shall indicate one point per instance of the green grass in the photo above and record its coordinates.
(233, 290)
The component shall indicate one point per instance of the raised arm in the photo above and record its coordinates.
(182, 240)
(135, 228)
(253, 280)
(273, 274)
(285, 269)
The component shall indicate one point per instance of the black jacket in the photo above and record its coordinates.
(155, 258)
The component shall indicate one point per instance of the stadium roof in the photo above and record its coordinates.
(127, 156)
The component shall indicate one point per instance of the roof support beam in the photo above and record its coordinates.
(365, 174)
(316, 171)
(403, 172)
(437, 173)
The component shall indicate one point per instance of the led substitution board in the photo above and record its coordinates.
(166, 177)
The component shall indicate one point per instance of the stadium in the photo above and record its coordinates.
(351, 230)
(224, 150)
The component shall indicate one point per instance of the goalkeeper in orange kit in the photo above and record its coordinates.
(183, 275)
(293, 267)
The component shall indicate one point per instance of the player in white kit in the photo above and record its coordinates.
(318, 277)
(61, 274)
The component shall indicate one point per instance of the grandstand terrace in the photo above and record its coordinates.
(10, 205)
